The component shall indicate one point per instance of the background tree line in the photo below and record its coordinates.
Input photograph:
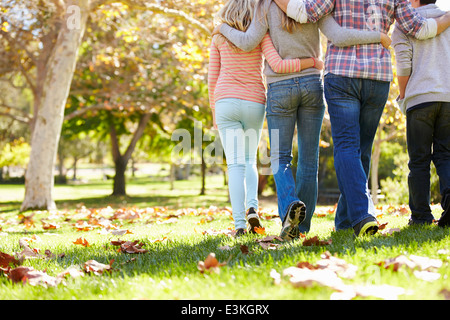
(90, 77)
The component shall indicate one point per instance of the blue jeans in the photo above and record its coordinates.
(428, 139)
(355, 107)
(240, 124)
(290, 102)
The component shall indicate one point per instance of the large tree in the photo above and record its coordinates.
(41, 40)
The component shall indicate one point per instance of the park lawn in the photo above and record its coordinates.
(177, 240)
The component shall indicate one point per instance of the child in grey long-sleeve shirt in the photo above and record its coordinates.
(422, 64)
(300, 43)
(422, 71)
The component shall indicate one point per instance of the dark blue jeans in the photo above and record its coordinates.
(428, 139)
(290, 102)
(355, 107)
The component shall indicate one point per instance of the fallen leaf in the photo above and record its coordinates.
(132, 247)
(27, 252)
(244, 249)
(315, 241)
(227, 247)
(269, 239)
(304, 277)
(73, 272)
(422, 263)
(384, 291)
(390, 231)
(82, 241)
(337, 265)
(117, 242)
(381, 226)
(33, 277)
(7, 260)
(27, 220)
(260, 230)
(210, 264)
(159, 240)
(50, 225)
(275, 276)
(121, 232)
(51, 255)
(445, 293)
(269, 245)
(96, 267)
(426, 275)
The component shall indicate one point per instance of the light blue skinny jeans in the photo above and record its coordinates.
(240, 124)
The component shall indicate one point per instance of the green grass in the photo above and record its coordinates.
(169, 269)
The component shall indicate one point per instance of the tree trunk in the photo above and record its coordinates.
(120, 160)
(119, 178)
(75, 162)
(203, 190)
(39, 177)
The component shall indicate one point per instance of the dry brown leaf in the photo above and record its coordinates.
(445, 293)
(96, 267)
(267, 242)
(315, 241)
(269, 245)
(27, 220)
(244, 249)
(304, 277)
(422, 263)
(33, 277)
(49, 225)
(73, 272)
(337, 265)
(384, 291)
(132, 247)
(7, 260)
(117, 242)
(121, 232)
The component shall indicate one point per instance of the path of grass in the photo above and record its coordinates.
(169, 269)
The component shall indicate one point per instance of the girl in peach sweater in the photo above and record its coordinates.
(237, 98)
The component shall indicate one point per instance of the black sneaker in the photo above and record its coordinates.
(240, 232)
(253, 220)
(368, 226)
(444, 221)
(296, 214)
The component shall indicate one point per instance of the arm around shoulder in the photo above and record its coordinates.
(343, 37)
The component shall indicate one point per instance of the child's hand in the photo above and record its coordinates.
(319, 64)
(385, 40)
(216, 30)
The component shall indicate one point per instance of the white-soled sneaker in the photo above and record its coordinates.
(295, 215)
(253, 220)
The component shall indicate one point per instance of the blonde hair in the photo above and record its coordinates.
(237, 14)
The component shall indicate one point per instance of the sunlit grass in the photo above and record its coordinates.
(169, 269)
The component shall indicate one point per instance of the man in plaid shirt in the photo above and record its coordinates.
(357, 85)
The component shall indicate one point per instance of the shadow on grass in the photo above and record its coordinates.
(171, 201)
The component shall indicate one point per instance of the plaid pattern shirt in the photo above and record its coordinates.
(370, 61)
